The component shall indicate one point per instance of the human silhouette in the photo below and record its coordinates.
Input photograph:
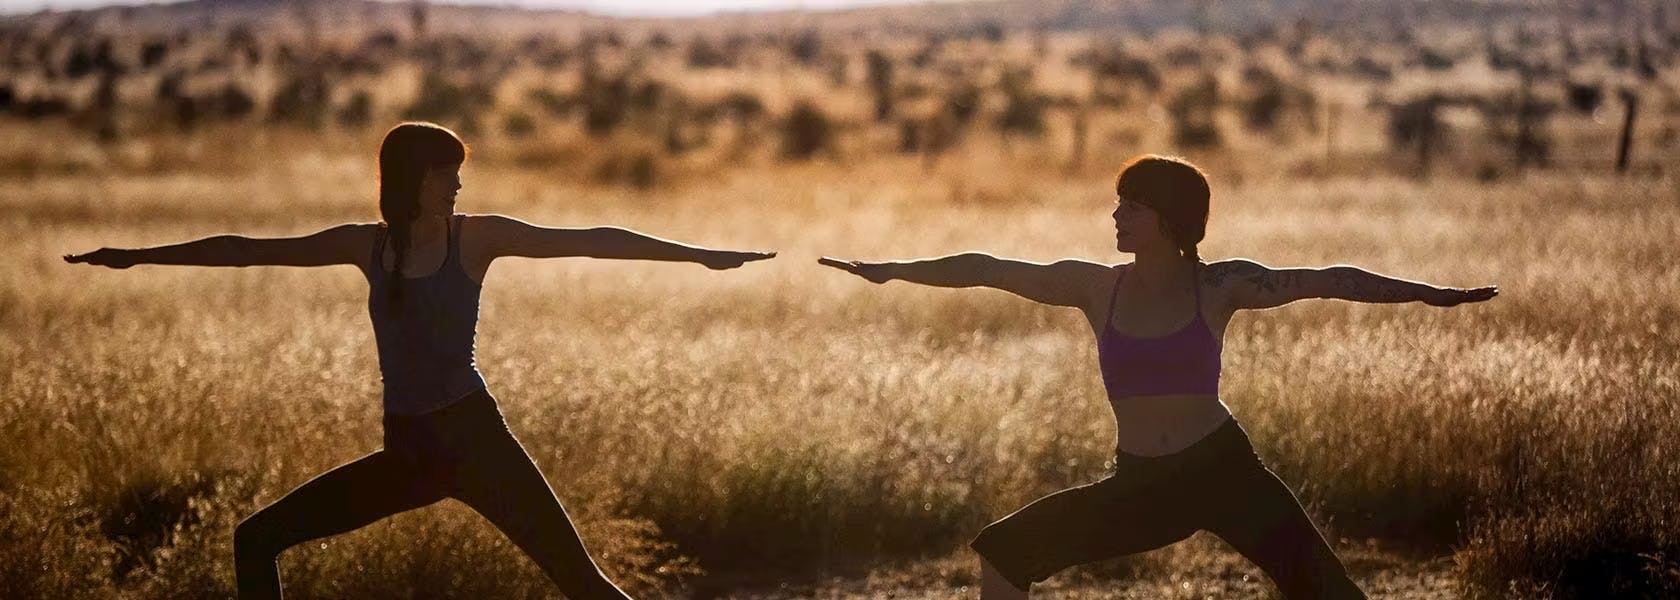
(1182, 462)
(444, 435)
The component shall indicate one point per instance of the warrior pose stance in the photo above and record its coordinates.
(1183, 463)
(444, 435)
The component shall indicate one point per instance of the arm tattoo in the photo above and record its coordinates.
(1365, 287)
(1215, 274)
(1262, 279)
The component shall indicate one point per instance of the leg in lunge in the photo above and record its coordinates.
(503, 484)
(1275, 534)
(343, 499)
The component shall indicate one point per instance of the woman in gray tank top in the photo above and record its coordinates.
(444, 436)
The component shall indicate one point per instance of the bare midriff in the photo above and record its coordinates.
(1164, 424)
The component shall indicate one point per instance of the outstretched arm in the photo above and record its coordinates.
(1061, 283)
(512, 237)
(1252, 285)
(345, 244)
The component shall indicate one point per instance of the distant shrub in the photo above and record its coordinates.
(518, 124)
(442, 100)
(880, 79)
(1114, 72)
(1193, 110)
(1584, 98)
(232, 102)
(606, 102)
(806, 132)
(1270, 98)
(742, 105)
(1023, 106)
(302, 99)
(639, 169)
(152, 53)
(1521, 121)
(553, 102)
(704, 54)
(659, 40)
(1434, 60)
(43, 107)
(962, 103)
(1414, 122)
(805, 47)
(357, 112)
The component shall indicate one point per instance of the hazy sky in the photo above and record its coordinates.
(617, 7)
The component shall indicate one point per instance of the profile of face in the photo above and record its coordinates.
(438, 188)
(1138, 227)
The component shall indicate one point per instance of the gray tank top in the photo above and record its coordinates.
(425, 338)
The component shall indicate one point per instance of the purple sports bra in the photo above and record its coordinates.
(1182, 362)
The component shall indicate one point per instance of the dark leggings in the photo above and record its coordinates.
(1217, 485)
(462, 451)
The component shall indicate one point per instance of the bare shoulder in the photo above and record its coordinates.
(491, 222)
(1077, 268)
(1083, 274)
(1222, 273)
(350, 234)
(1086, 283)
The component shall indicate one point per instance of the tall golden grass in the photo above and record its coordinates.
(713, 430)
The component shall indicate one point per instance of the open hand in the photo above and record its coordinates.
(729, 259)
(874, 272)
(1456, 296)
(104, 257)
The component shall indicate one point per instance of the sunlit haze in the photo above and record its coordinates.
(639, 8)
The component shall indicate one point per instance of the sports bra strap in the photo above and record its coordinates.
(1195, 286)
(1119, 274)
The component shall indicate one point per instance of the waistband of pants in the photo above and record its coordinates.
(1228, 442)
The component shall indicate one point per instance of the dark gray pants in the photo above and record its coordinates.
(462, 451)
(1217, 485)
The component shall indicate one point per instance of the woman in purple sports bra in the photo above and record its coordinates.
(1182, 463)
(444, 435)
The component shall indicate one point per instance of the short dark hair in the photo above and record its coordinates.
(1175, 189)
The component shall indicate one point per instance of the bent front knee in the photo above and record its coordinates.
(255, 538)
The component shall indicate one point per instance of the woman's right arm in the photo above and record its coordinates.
(351, 243)
(1061, 283)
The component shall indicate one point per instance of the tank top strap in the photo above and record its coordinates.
(454, 224)
(1196, 285)
(379, 237)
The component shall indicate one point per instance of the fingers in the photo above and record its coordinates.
(1481, 294)
(844, 265)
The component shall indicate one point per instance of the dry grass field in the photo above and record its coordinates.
(784, 430)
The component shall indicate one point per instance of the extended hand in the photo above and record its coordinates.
(874, 272)
(1456, 296)
(729, 259)
(104, 257)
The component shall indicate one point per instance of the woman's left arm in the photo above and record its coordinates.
(1251, 285)
(508, 236)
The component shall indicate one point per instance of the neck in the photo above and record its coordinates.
(427, 227)
(1160, 266)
